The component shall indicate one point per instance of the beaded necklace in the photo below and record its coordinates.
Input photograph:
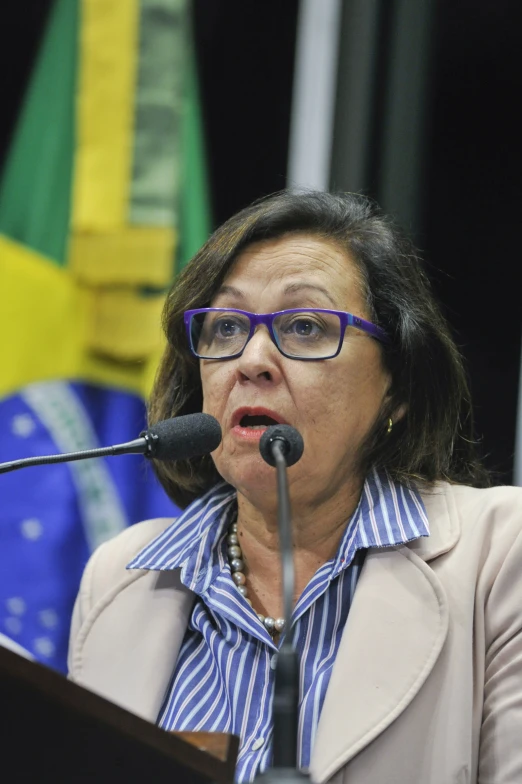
(237, 566)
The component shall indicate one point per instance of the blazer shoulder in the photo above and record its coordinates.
(123, 547)
(471, 503)
(106, 567)
(457, 512)
(502, 503)
(492, 514)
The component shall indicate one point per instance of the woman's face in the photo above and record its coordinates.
(333, 403)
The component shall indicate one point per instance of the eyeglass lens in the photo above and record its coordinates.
(306, 334)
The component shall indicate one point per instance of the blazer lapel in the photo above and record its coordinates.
(140, 627)
(394, 633)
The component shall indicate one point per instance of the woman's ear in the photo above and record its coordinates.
(399, 412)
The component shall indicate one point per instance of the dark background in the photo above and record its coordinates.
(474, 200)
(472, 195)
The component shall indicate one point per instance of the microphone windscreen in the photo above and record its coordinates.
(184, 437)
(291, 439)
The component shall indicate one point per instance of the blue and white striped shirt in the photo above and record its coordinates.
(224, 676)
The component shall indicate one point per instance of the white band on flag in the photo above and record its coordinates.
(61, 411)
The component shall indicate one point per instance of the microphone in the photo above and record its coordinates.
(290, 440)
(282, 446)
(181, 438)
(178, 438)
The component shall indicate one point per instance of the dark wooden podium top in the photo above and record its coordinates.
(54, 730)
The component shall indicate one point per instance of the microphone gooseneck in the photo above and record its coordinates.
(282, 446)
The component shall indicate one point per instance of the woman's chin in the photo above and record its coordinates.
(251, 477)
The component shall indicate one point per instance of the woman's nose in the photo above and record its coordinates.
(260, 355)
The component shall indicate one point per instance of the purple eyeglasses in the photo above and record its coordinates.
(307, 334)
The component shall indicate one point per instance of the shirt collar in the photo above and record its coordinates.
(388, 514)
(204, 520)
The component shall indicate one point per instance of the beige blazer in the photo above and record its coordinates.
(427, 685)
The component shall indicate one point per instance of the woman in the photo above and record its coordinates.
(408, 576)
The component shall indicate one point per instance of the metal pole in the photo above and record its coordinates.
(313, 100)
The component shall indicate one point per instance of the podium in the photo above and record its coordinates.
(52, 730)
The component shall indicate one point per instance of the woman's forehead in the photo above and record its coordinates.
(299, 268)
(300, 256)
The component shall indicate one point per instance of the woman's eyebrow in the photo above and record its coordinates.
(295, 288)
(231, 291)
(292, 288)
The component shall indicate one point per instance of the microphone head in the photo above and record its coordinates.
(291, 440)
(184, 437)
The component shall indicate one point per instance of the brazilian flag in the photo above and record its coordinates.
(102, 198)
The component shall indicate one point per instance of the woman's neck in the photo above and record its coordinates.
(316, 532)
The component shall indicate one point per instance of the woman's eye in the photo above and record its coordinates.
(304, 328)
(227, 328)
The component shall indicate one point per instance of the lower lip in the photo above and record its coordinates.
(248, 433)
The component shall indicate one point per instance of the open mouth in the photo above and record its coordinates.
(254, 422)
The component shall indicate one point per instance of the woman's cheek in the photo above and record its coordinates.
(212, 396)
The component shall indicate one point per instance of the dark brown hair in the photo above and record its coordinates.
(434, 439)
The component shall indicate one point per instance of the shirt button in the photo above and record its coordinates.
(257, 744)
(273, 661)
